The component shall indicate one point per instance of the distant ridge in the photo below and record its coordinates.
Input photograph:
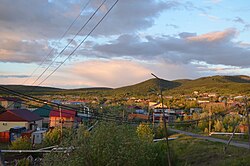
(148, 87)
(30, 89)
(238, 84)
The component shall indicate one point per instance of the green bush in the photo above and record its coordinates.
(53, 137)
(22, 143)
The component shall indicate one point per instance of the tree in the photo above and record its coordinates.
(53, 137)
(111, 144)
(218, 126)
(144, 132)
(203, 123)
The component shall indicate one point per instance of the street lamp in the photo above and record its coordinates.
(164, 118)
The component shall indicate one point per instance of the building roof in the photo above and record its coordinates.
(10, 99)
(43, 111)
(19, 115)
(65, 113)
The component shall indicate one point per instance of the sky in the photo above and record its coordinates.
(175, 39)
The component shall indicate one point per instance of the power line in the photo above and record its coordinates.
(90, 18)
(41, 101)
(79, 43)
(64, 34)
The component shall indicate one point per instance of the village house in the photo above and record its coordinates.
(66, 118)
(44, 112)
(19, 118)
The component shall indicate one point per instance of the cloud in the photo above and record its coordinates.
(172, 25)
(214, 36)
(212, 48)
(14, 76)
(22, 29)
(239, 20)
(215, 1)
(210, 17)
(23, 51)
(112, 73)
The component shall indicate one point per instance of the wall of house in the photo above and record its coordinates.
(7, 125)
(67, 122)
(39, 123)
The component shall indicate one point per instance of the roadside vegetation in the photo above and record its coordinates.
(111, 144)
(196, 152)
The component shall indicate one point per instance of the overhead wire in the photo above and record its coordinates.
(85, 24)
(64, 34)
(41, 101)
(26, 97)
(79, 43)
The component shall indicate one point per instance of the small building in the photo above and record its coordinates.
(138, 117)
(44, 112)
(20, 118)
(37, 136)
(11, 103)
(66, 118)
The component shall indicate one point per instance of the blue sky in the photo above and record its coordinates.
(173, 39)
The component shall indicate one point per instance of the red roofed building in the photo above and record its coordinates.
(21, 118)
(67, 117)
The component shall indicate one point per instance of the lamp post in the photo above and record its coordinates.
(164, 119)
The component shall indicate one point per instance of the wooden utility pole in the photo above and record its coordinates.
(164, 120)
(153, 119)
(210, 122)
(248, 121)
(61, 121)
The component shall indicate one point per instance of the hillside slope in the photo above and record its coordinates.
(147, 87)
(218, 84)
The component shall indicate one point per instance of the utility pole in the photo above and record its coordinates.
(61, 121)
(248, 121)
(164, 119)
(210, 122)
(153, 120)
(123, 115)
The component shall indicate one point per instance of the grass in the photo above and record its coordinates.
(192, 151)
(240, 138)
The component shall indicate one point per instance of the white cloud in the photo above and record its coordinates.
(112, 73)
(213, 48)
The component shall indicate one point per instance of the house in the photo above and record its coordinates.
(11, 102)
(44, 112)
(139, 117)
(68, 118)
(157, 105)
(21, 118)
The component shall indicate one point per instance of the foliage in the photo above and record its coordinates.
(218, 126)
(144, 132)
(53, 137)
(196, 152)
(24, 162)
(111, 144)
(22, 143)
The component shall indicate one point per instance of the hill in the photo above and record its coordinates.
(30, 89)
(147, 87)
(218, 84)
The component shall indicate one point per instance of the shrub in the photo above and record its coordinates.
(22, 143)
